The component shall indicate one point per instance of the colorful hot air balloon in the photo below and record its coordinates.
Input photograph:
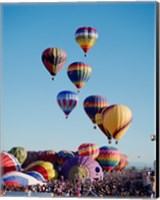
(79, 73)
(82, 167)
(86, 37)
(117, 119)
(67, 100)
(122, 163)
(88, 149)
(63, 156)
(17, 179)
(54, 59)
(20, 153)
(98, 118)
(108, 157)
(44, 168)
(36, 175)
(92, 104)
(9, 163)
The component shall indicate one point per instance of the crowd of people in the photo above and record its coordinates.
(126, 184)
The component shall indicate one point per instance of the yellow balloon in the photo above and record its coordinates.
(117, 120)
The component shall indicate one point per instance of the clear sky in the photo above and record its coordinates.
(123, 71)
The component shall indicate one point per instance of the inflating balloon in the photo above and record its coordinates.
(54, 59)
(86, 37)
(20, 153)
(67, 100)
(79, 73)
(88, 149)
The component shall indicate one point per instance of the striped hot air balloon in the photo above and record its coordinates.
(88, 149)
(108, 157)
(122, 163)
(63, 156)
(54, 59)
(117, 119)
(9, 163)
(86, 37)
(92, 105)
(79, 73)
(67, 100)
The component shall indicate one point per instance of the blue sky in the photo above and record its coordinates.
(123, 71)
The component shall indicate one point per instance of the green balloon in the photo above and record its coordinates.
(20, 153)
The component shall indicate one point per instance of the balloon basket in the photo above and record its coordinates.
(53, 78)
(95, 127)
(116, 142)
(66, 116)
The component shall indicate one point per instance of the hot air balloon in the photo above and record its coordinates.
(117, 119)
(9, 163)
(108, 157)
(36, 175)
(82, 167)
(32, 156)
(17, 179)
(86, 37)
(122, 163)
(98, 118)
(20, 153)
(88, 149)
(48, 155)
(92, 104)
(44, 168)
(79, 73)
(63, 156)
(67, 100)
(54, 59)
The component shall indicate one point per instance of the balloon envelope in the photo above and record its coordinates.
(54, 59)
(36, 175)
(67, 100)
(19, 179)
(82, 167)
(108, 157)
(9, 163)
(117, 119)
(88, 149)
(20, 153)
(79, 73)
(86, 37)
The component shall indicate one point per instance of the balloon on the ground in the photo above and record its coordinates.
(48, 155)
(63, 156)
(9, 163)
(82, 167)
(44, 168)
(86, 37)
(88, 149)
(54, 59)
(92, 104)
(122, 163)
(108, 157)
(20, 153)
(17, 179)
(36, 175)
(32, 156)
(79, 73)
(67, 100)
(117, 120)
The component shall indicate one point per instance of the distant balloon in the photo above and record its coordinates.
(122, 163)
(117, 119)
(92, 104)
(20, 153)
(86, 37)
(17, 179)
(88, 149)
(54, 59)
(108, 157)
(8, 163)
(82, 167)
(79, 73)
(67, 100)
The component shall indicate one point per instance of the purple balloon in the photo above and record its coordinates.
(82, 167)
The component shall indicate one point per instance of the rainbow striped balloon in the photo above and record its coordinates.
(108, 157)
(122, 163)
(79, 73)
(86, 37)
(88, 149)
